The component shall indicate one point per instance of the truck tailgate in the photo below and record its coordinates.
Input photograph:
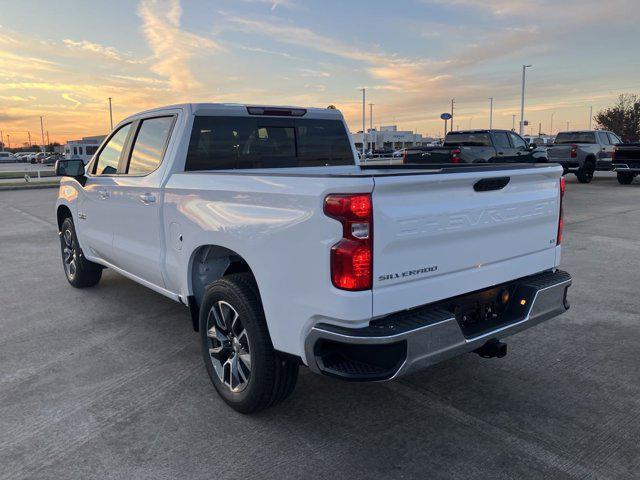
(558, 152)
(435, 236)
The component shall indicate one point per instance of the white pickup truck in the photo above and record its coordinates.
(288, 252)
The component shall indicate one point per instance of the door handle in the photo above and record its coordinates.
(147, 198)
(103, 194)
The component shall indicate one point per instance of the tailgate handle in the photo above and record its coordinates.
(488, 184)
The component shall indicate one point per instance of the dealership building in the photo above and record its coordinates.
(388, 138)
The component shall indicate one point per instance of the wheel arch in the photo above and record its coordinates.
(207, 264)
(62, 212)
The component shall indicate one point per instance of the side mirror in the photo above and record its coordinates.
(73, 167)
(533, 146)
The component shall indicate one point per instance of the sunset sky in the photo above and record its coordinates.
(63, 59)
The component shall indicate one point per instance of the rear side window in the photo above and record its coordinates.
(575, 137)
(602, 137)
(107, 161)
(469, 139)
(148, 147)
(246, 142)
(502, 140)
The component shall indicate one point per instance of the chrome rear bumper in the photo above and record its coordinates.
(406, 341)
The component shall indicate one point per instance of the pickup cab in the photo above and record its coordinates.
(583, 152)
(287, 252)
(477, 146)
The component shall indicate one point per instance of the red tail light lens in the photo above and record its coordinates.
(454, 155)
(613, 154)
(404, 156)
(352, 257)
(561, 217)
(574, 151)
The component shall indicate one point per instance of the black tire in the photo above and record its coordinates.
(80, 272)
(585, 173)
(268, 379)
(625, 178)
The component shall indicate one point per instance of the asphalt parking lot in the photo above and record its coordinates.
(108, 382)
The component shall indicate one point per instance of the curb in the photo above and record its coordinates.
(29, 186)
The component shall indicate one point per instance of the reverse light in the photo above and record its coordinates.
(352, 257)
(561, 217)
(454, 155)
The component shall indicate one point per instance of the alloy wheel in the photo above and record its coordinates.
(229, 346)
(69, 254)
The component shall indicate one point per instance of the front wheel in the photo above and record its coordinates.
(240, 359)
(80, 272)
(625, 178)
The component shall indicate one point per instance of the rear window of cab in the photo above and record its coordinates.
(228, 142)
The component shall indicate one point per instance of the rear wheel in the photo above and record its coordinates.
(585, 173)
(625, 178)
(236, 347)
(80, 272)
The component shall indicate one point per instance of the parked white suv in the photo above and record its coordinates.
(287, 252)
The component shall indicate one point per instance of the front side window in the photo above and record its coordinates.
(148, 148)
(614, 139)
(109, 157)
(517, 141)
(263, 142)
(502, 140)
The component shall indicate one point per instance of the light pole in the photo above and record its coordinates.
(110, 115)
(42, 134)
(490, 113)
(371, 123)
(452, 104)
(364, 122)
(524, 73)
(590, 116)
(2, 140)
(8, 141)
(551, 132)
(513, 128)
(567, 126)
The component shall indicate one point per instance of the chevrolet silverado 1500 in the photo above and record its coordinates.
(583, 152)
(478, 146)
(288, 252)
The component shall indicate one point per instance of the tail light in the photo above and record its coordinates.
(613, 153)
(352, 256)
(454, 155)
(404, 156)
(574, 151)
(561, 217)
